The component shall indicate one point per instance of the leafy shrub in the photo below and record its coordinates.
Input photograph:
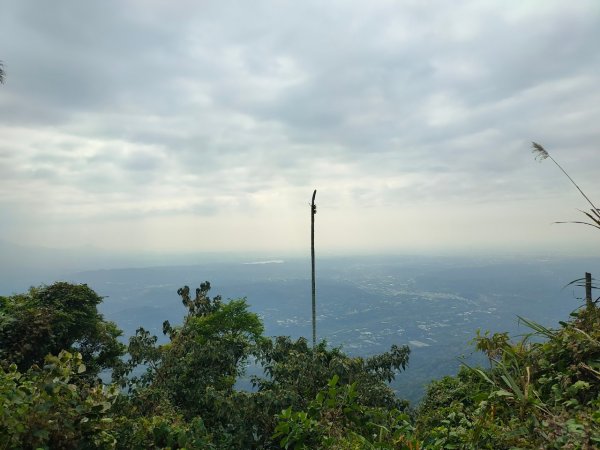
(335, 420)
(535, 395)
(43, 408)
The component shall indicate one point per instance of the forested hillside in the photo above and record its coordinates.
(539, 392)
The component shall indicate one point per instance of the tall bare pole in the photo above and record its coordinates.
(313, 211)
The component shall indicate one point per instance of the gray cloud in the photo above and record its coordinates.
(147, 109)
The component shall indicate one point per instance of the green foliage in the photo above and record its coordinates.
(493, 346)
(167, 430)
(295, 373)
(142, 352)
(48, 319)
(208, 352)
(536, 395)
(195, 372)
(43, 408)
(301, 371)
(335, 419)
(542, 391)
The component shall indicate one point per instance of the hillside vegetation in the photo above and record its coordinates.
(542, 391)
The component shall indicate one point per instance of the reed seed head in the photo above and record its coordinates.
(540, 152)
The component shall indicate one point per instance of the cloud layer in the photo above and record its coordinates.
(206, 125)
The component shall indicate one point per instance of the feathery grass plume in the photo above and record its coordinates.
(541, 154)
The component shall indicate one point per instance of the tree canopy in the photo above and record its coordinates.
(536, 393)
(61, 316)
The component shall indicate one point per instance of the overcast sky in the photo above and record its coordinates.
(205, 126)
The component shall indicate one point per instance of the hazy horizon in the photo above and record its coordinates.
(25, 266)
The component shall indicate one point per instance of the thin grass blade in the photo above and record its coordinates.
(538, 328)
